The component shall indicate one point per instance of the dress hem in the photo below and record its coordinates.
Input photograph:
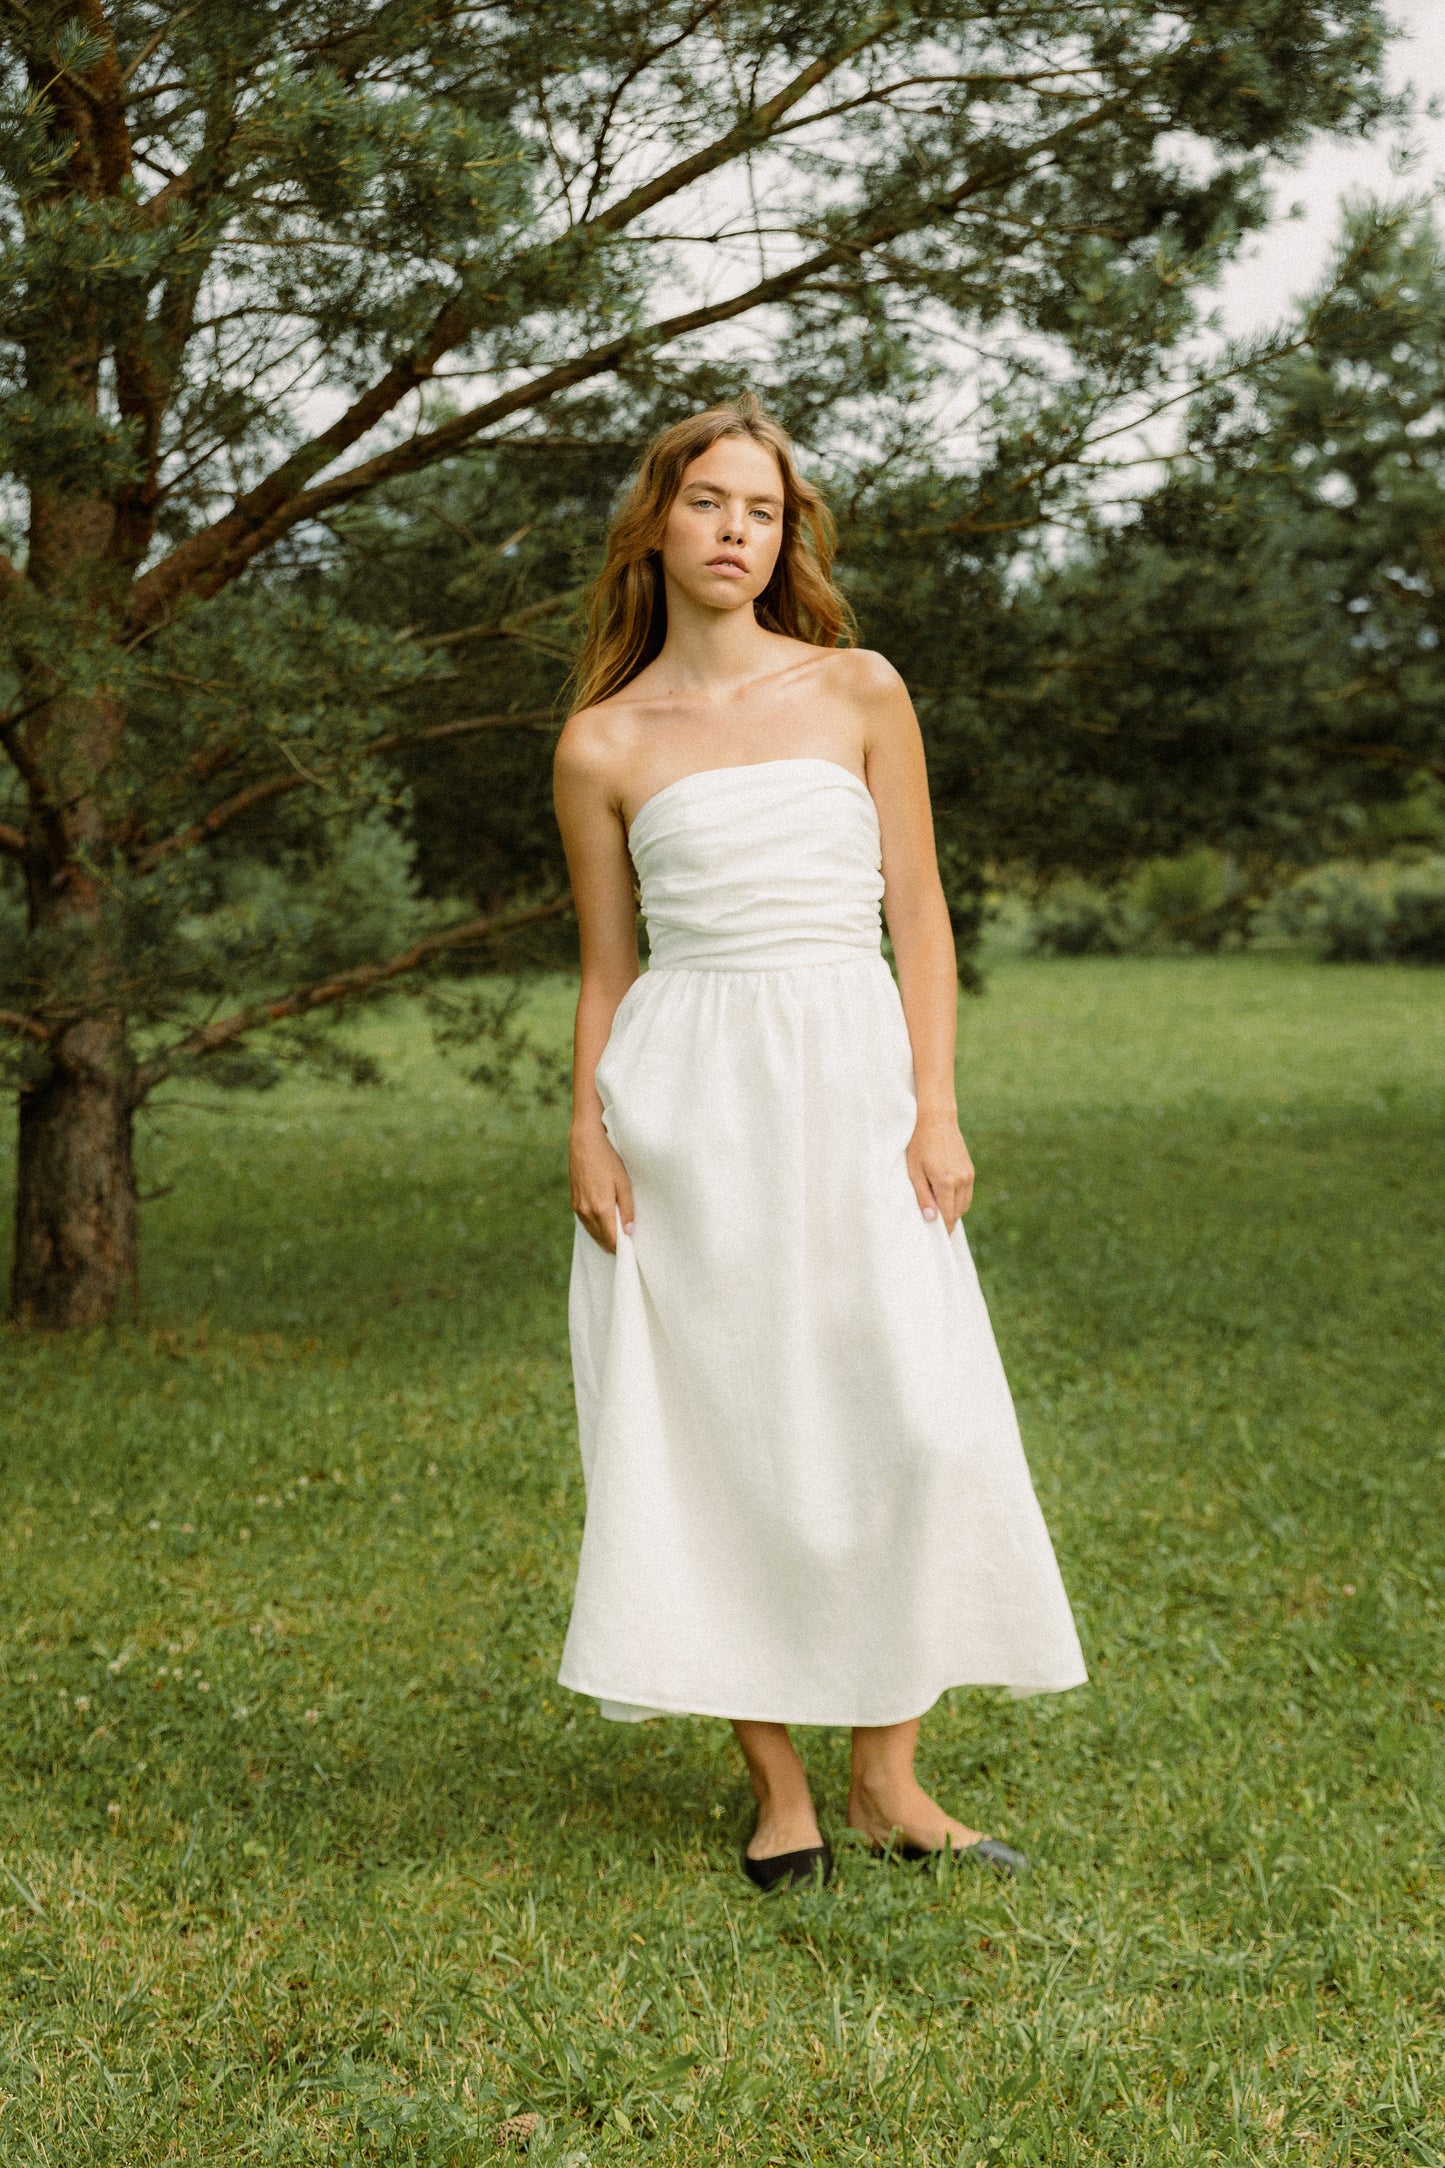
(641, 1711)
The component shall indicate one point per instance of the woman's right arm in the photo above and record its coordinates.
(595, 841)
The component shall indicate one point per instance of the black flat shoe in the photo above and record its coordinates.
(794, 1868)
(986, 1852)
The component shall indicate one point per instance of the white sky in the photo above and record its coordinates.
(1286, 260)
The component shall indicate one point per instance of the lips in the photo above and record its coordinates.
(726, 564)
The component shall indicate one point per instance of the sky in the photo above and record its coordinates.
(1285, 261)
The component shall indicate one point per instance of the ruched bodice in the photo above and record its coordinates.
(760, 868)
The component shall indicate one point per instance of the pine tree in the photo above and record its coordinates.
(265, 256)
(1255, 657)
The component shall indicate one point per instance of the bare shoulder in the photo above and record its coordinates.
(593, 748)
(868, 683)
(861, 674)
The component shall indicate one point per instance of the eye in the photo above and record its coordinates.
(761, 512)
(704, 504)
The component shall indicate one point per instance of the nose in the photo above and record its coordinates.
(732, 528)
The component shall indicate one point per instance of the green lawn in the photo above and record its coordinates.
(307, 1859)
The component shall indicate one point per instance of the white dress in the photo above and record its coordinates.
(807, 1500)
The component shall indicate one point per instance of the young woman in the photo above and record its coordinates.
(807, 1502)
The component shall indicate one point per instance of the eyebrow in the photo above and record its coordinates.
(760, 496)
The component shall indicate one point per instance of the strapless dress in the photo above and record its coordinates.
(807, 1499)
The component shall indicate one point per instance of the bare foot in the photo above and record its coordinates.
(784, 1826)
(901, 1809)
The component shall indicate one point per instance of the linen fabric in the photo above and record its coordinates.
(807, 1500)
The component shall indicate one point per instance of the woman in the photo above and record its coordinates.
(807, 1502)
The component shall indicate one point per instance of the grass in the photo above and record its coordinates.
(307, 1859)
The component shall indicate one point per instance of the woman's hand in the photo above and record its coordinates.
(600, 1188)
(940, 1169)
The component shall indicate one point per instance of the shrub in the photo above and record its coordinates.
(1192, 900)
(1183, 900)
(1077, 919)
(1419, 924)
(1366, 913)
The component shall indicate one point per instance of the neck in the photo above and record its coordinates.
(709, 651)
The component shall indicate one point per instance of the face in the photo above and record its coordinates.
(725, 527)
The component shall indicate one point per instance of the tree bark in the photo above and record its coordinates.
(75, 1209)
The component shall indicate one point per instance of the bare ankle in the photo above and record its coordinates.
(877, 1785)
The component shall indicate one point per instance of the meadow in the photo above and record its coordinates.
(305, 1858)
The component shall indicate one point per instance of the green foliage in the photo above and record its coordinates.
(1346, 911)
(259, 264)
(1194, 901)
(261, 691)
(216, 217)
(1418, 931)
(284, 1578)
(1339, 448)
(484, 563)
(1185, 900)
(1250, 659)
(1352, 913)
(488, 1026)
(1077, 918)
(322, 913)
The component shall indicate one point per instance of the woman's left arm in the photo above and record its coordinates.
(918, 926)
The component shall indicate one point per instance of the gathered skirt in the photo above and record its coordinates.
(807, 1499)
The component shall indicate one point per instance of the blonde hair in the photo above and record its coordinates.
(627, 622)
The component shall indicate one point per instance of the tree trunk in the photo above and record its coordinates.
(75, 1208)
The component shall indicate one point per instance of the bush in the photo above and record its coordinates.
(1077, 919)
(1191, 901)
(1186, 900)
(1419, 924)
(1366, 913)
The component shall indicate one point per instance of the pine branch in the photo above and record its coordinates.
(12, 840)
(356, 984)
(279, 786)
(749, 134)
(647, 58)
(1073, 453)
(344, 54)
(211, 560)
(24, 1027)
(512, 626)
(152, 46)
(466, 726)
(1386, 756)
(208, 561)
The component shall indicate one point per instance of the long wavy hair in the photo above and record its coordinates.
(627, 622)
